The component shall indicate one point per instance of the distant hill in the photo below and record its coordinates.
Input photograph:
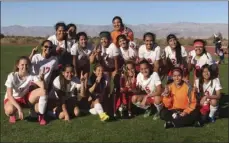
(183, 29)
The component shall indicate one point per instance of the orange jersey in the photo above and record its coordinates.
(115, 34)
(179, 99)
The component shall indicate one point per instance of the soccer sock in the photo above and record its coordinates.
(42, 104)
(158, 106)
(213, 109)
(98, 108)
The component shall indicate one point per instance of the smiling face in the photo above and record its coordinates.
(130, 70)
(172, 43)
(144, 69)
(177, 77)
(83, 41)
(46, 49)
(122, 43)
(104, 42)
(206, 74)
(60, 33)
(23, 66)
(148, 42)
(117, 25)
(68, 73)
(72, 31)
(98, 71)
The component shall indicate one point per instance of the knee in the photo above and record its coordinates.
(61, 115)
(157, 100)
(76, 111)
(36, 108)
(134, 99)
(9, 110)
(214, 102)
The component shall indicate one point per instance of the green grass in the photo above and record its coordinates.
(91, 129)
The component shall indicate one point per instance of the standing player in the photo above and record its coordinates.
(61, 44)
(175, 55)
(81, 52)
(150, 51)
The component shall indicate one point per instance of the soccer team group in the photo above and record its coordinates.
(70, 75)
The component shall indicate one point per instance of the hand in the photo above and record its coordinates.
(98, 79)
(66, 118)
(82, 78)
(20, 114)
(182, 114)
(166, 91)
(35, 50)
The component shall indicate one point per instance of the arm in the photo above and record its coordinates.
(92, 89)
(156, 66)
(74, 61)
(61, 95)
(192, 103)
(33, 53)
(9, 92)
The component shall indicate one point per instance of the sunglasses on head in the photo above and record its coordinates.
(46, 47)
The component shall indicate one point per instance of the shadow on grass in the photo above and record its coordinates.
(224, 106)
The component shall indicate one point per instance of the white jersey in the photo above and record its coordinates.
(66, 46)
(20, 87)
(129, 53)
(202, 60)
(74, 84)
(109, 53)
(81, 53)
(211, 87)
(172, 54)
(150, 84)
(49, 65)
(192, 53)
(150, 55)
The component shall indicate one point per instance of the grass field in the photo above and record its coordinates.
(91, 129)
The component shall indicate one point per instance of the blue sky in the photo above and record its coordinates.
(43, 13)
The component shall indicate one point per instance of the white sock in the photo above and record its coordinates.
(158, 106)
(42, 104)
(98, 108)
(213, 109)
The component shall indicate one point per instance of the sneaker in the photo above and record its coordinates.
(197, 124)
(169, 125)
(41, 120)
(92, 111)
(12, 119)
(32, 113)
(156, 116)
(212, 119)
(147, 113)
(103, 116)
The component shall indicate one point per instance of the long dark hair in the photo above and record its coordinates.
(63, 81)
(120, 19)
(177, 48)
(153, 38)
(201, 78)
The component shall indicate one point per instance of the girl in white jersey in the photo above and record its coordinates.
(62, 44)
(24, 90)
(66, 91)
(200, 58)
(127, 48)
(81, 52)
(175, 56)
(150, 51)
(44, 61)
(208, 88)
(150, 83)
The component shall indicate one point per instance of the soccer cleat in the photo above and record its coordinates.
(156, 116)
(92, 111)
(147, 113)
(169, 125)
(103, 116)
(12, 119)
(212, 119)
(42, 120)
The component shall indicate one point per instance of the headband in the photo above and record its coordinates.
(198, 43)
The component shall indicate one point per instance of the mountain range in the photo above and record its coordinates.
(181, 29)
